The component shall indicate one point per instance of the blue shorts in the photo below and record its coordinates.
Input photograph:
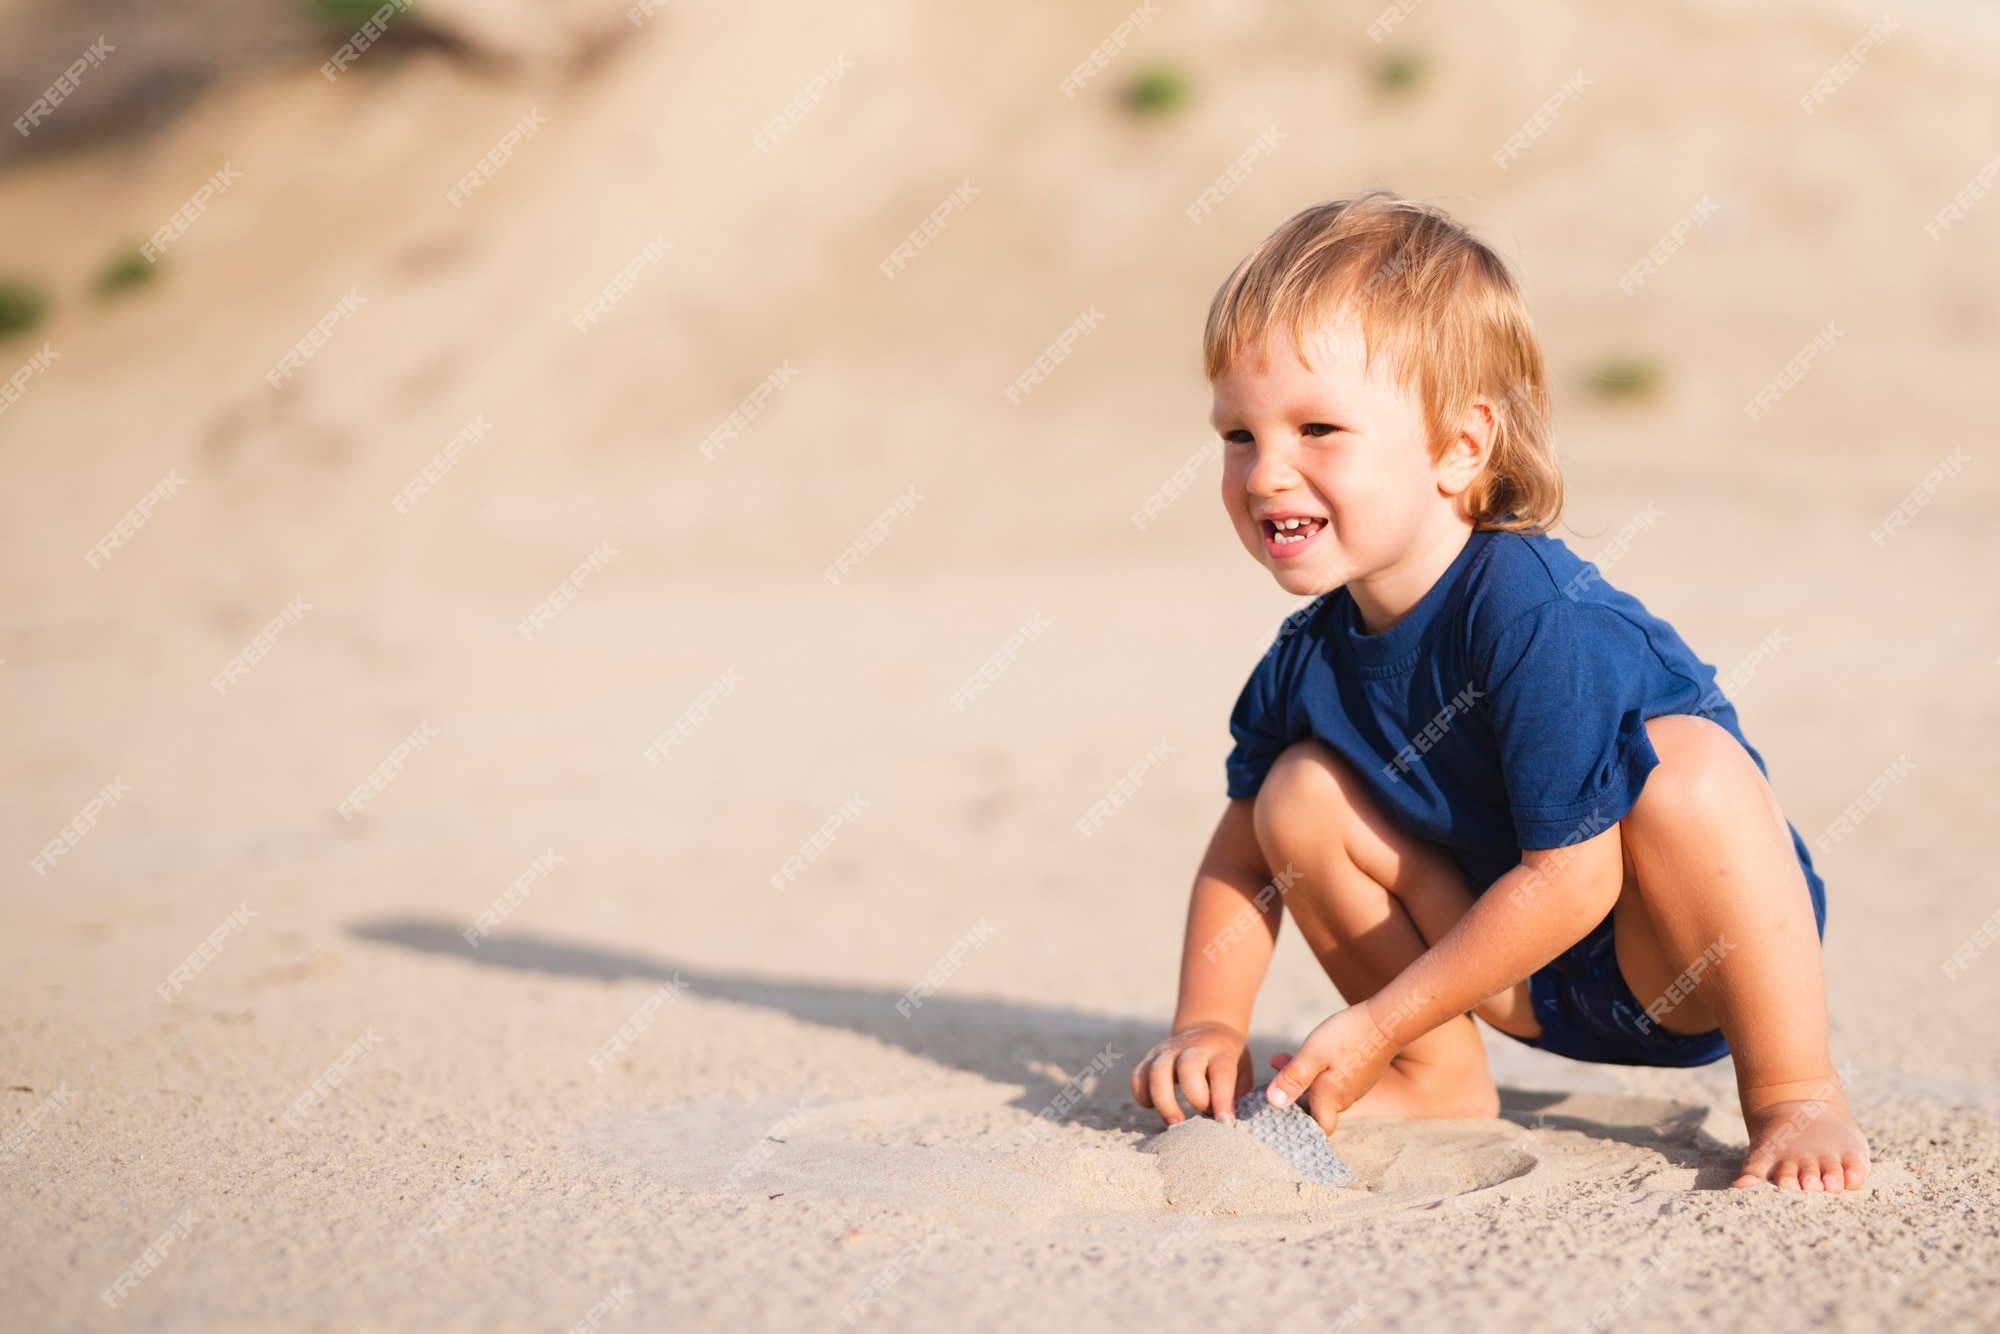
(1588, 1013)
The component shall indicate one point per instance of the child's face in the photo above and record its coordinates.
(1327, 473)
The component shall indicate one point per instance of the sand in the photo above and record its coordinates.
(772, 1143)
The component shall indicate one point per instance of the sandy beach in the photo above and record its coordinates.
(549, 979)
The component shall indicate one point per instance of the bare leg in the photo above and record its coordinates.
(1711, 874)
(1369, 901)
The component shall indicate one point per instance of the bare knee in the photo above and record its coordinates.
(1704, 774)
(1305, 798)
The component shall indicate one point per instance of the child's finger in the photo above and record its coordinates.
(1140, 1093)
(1160, 1080)
(1191, 1070)
(1299, 1072)
(1222, 1072)
(1320, 1103)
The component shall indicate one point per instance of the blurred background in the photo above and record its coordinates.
(825, 242)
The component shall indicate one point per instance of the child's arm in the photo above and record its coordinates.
(1528, 917)
(1232, 928)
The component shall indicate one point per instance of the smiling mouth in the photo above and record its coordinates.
(1283, 537)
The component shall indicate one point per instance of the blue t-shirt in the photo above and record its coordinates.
(1506, 711)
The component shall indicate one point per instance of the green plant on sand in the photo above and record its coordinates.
(22, 305)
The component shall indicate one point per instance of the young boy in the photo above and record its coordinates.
(1482, 780)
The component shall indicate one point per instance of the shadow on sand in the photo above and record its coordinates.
(1008, 1042)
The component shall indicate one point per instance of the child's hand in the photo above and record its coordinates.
(1337, 1063)
(1209, 1061)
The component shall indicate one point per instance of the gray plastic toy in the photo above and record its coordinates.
(1293, 1136)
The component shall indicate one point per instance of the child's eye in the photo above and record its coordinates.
(1239, 438)
(1317, 428)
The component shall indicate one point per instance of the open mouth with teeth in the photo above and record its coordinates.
(1289, 536)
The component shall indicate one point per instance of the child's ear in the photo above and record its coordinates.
(1471, 449)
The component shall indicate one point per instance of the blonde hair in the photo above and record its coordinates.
(1438, 304)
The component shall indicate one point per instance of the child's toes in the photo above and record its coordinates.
(1855, 1169)
(1809, 1178)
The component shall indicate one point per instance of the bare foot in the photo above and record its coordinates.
(1418, 1090)
(1805, 1145)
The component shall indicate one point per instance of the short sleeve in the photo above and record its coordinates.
(1260, 724)
(1566, 688)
